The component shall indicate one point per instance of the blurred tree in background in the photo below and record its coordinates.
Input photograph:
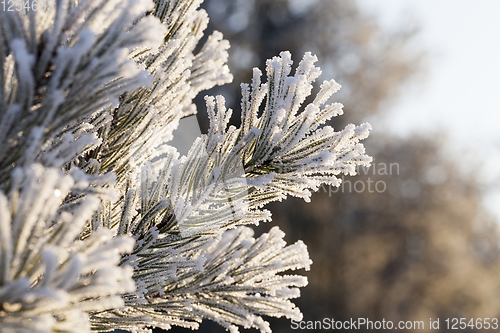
(419, 245)
(370, 62)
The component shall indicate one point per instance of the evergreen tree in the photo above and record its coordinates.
(103, 224)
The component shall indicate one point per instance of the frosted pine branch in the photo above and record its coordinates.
(234, 282)
(102, 224)
(145, 119)
(49, 281)
(282, 151)
(63, 68)
(222, 182)
(292, 153)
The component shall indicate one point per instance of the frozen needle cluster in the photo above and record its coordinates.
(102, 224)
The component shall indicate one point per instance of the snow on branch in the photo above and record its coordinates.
(92, 235)
(283, 150)
(63, 66)
(293, 153)
(146, 118)
(49, 281)
(221, 183)
(236, 282)
(280, 151)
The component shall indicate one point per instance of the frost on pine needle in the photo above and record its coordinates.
(235, 281)
(146, 118)
(293, 147)
(223, 181)
(62, 69)
(49, 278)
(103, 224)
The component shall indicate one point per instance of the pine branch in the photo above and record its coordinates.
(230, 172)
(223, 181)
(49, 281)
(62, 68)
(234, 282)
(89, 94)
(145, 119)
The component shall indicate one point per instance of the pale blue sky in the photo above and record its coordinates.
(461, 92)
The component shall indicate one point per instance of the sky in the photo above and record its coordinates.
(460, 94)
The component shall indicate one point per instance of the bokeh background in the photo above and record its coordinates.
(425, 74)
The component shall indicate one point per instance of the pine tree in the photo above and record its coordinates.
(103, 224)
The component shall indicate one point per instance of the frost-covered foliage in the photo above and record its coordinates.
(102, 224)
(50, 278)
